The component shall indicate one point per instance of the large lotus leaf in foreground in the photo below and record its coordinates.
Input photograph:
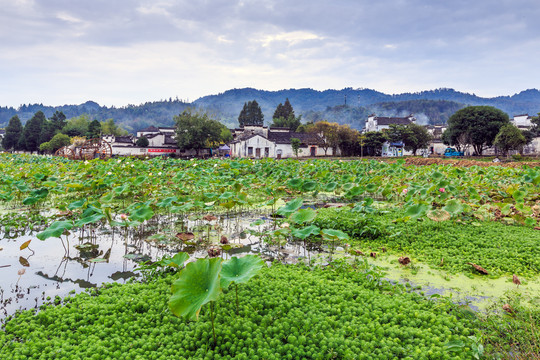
(240, 270)
(197, 285)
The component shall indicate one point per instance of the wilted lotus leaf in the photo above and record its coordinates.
(404, 260)
(479, 268)
(185, 236)
(438, 215)
(213, 252)
(209, 218)
(223, 240)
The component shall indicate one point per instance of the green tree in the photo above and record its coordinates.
(416, 137)
(109, 127)
(58, 119)
(142, 141)
(30, 139)
(58, 141)
(47, 132)
(295, 144)
(13, 134)
(478, 124)
(328, 133)
(291, 122)
(509, 138)
(348, 140)
(77, 126)
(251, 114)
(94, 129)
(373, 142)
(284, 117)
(195, 130)
(283, 110)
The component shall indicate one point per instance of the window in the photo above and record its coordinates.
(250, 151)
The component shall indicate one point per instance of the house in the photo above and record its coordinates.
(161, 141)
(436, 146)
(522, 122)
(258, 141)
(380, 123)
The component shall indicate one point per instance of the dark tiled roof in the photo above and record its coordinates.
(123, 139)
(392, 120)
(285, 138)
(151, 128)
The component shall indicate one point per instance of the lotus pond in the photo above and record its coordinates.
(69, 226)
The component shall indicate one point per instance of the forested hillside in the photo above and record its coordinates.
(347, 106)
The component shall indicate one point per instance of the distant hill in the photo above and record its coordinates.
(130, 117)
(352, 106)
(346, 106)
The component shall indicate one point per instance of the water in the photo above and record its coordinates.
(89, 258)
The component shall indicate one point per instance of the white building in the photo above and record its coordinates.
(522, 122)
(161, 141)
(260, 141)
(379, 123)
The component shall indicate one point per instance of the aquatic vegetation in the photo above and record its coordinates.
(286, 312)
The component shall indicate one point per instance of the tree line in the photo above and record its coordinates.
(48, 135)
(481, 127)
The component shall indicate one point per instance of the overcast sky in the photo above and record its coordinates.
(119, 52)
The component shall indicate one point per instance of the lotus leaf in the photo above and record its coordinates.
(198, 284)
(240, 270)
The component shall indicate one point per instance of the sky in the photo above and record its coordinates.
(120, 52)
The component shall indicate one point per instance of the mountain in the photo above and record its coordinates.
(352, 106)
(130, 117)
(346, 106)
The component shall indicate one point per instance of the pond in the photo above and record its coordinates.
(90, 257)
(87, 258)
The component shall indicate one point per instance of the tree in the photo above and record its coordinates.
(283, 110)
(58, 120)
(195, 130)
(328, 133)
(509, 138)
(77, 126)
(295, 144)
(416, 137)
(94, 129)
(58, 141)
(284, 117)
(142, 141)
(30, 139)
(478, 124)
(251, 115)
(373, 142)
(13, 134)
(109, 127)
(348, 140)
(291, 122)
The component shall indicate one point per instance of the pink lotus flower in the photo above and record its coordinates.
(442, 190)
(404, 191)
(123, 216)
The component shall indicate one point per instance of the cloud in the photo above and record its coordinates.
(128, 51)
